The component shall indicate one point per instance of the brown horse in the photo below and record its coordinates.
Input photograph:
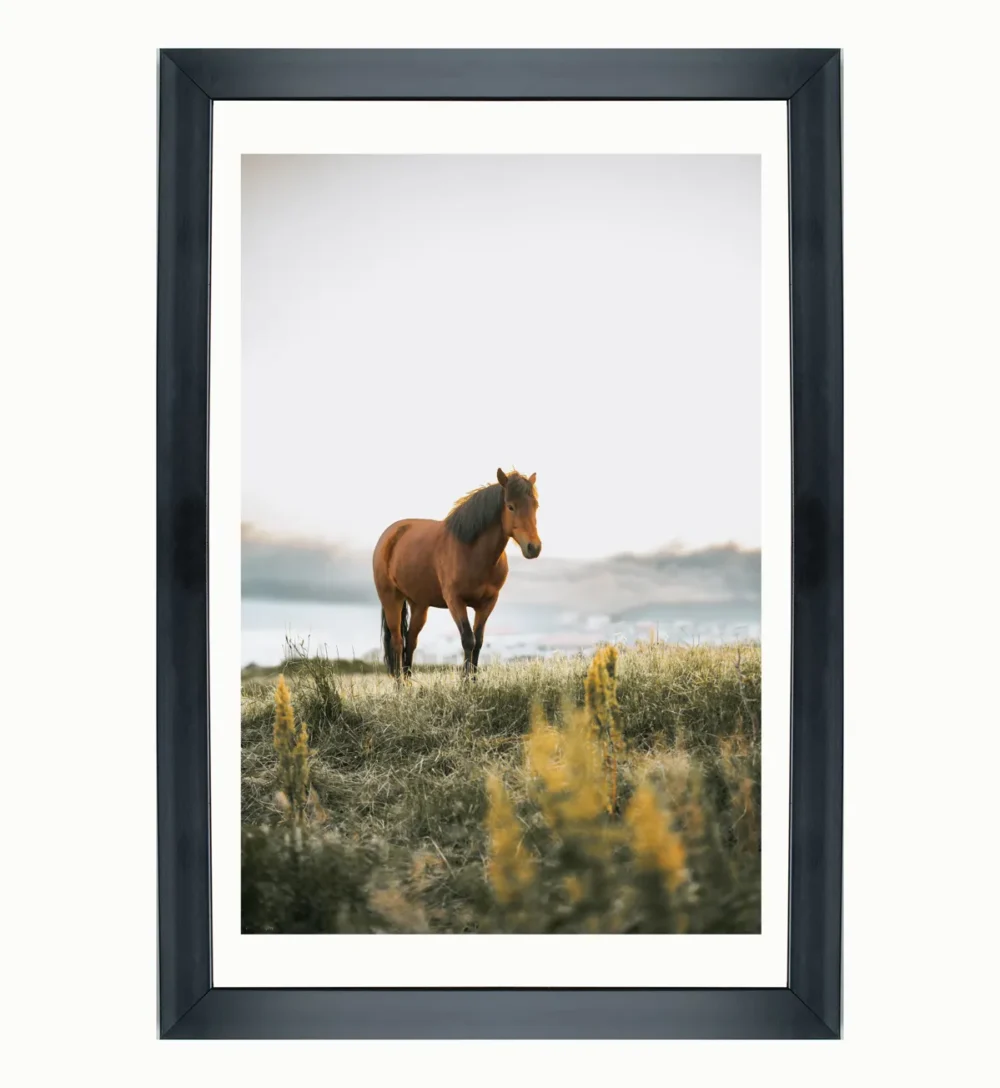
(458, 564)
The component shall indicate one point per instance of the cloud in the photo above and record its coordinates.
(296, 568)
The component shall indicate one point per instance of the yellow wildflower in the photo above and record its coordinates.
(655, 844)
(511, 869)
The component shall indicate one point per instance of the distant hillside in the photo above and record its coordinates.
(293, 568)
(288, 568)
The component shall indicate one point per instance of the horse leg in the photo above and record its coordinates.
(460, 614)
(392, 612)
(479, 627)
(418, 617)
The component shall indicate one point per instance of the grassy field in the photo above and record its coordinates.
(564, 795)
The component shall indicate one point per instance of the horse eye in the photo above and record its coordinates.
(510, 507)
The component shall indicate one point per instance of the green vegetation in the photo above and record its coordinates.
(617, 795)
(340, 666)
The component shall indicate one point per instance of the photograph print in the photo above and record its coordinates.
(501, 544)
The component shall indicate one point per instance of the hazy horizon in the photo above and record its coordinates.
(320, 592)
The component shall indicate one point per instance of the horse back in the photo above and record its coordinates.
(405, 558)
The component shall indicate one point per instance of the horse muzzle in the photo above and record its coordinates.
(532, 549)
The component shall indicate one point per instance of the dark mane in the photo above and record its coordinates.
(473, 514)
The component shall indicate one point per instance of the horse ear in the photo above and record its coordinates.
(501, 477)
(531, 478)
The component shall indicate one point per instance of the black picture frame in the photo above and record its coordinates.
(190, 81)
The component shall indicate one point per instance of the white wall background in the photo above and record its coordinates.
(78, 450)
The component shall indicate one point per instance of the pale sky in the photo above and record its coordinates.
(412, 322)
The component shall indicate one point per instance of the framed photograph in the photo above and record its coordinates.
(499, 490)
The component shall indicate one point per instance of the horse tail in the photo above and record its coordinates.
(388, 653)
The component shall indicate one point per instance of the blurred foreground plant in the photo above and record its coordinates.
(300, 877)
(568, 860)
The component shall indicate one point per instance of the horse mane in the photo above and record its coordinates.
(475, 512)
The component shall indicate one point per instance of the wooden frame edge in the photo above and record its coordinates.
(182, 755)
(816, 265)
(189, 82)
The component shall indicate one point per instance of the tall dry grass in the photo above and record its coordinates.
(616, 795)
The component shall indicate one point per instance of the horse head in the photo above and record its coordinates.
(520, 508)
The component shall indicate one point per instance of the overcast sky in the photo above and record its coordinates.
(412, 322)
